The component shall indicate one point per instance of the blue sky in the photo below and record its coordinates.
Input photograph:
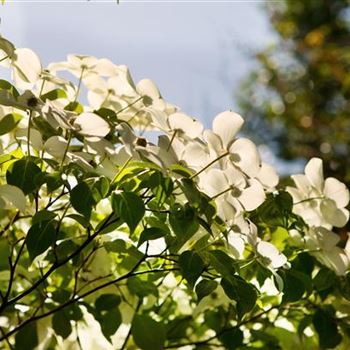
(194, 51)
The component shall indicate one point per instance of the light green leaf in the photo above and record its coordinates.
(9, 122)
(14, 195)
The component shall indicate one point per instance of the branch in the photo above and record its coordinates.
(131, 273)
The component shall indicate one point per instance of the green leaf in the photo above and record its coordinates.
(191, 265)
(184, 222)
(43, 215)
(129, 207)
(110, 322)
(150, 233)
(5, 253)
(141, 288)
(9, 122)
(61, 324)
(176, 328)
(22, 174)
(6, 45)
(326, 328)
(54, 95)
(27, 337)
(148, 334)
(324, 279)
(74, 107)
(107, 313)
(79, 219)
(222, 263)
(82, 199)
(100, 188)
(231, 338)
(204, 288)
(40, 237)
(242, 292)
(106, 302)
(294, 285)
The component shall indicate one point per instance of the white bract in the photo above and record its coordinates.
(319, 201)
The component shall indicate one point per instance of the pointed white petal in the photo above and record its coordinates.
(189, 126)
(90, 124)
(27, 66)
(333, 215)
(227, 125)
(268, 176)
(56, 146)
(314, 173)
(245, 155)
(214, 182)
(252, 196)
(302, 183)
(337, 191)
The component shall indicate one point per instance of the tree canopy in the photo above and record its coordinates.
(111, 240)
(297, 98)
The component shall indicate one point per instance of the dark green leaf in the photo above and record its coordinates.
(129, 207)
(5, 252)
(184, 222)
(9, 122)
(82, 199)
(231, 338)
(27, 337)
(148, 334)
(79, 219)
(222, 263)
(22, 174)
(327, 330)
(141, 288)
(61, 324)
(191, 265)
(151, 233)
(5, 85)
(242, 292)
(176, 328)
(204, 288)
(43, 215)
(106, 302)
(40, 237)
(294, 286)
(324, 279)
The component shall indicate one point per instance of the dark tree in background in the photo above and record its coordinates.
(297, 100)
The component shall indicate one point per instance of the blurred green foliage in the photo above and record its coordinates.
(297, 98)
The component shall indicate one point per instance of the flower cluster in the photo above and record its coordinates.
(85, 187)
(321, 203)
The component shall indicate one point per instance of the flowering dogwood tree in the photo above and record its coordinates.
(111, 241)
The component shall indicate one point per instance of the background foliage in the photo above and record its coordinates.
(297, 99)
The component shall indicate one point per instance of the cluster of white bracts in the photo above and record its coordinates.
(321, 203)
(226, 168)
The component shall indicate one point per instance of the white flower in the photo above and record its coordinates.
(322, 244)
(319, 202)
